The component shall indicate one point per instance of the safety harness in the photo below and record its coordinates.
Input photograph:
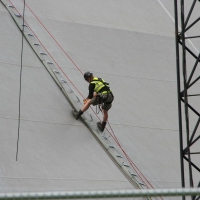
(100, 85)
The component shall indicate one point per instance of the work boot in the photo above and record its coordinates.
(78, 114)
(101, 126)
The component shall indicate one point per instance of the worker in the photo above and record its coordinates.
(99, 94)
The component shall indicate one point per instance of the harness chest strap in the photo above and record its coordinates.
(99, 84)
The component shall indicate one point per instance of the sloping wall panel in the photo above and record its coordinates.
(128, 43)
(56, 152)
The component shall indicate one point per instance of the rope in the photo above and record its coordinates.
(20, 87)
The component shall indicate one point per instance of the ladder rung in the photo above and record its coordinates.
(43, 53)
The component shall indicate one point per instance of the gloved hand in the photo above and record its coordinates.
(84, 101)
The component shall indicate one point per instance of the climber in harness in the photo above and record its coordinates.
(99, 94)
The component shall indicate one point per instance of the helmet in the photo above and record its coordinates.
(87, 75)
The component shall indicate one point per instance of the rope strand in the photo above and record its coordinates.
(20, 87)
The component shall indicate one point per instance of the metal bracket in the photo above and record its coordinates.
(91, 117)
(132, 174)
(103, 136)
(10, 6)
(126, 165)
(18, 15)
(119, 156)
(77, 98)
(55, 71)
(142, 184)
(49, 62)
(42, 53)
(62, 80)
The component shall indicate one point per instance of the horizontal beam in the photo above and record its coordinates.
(101, 194)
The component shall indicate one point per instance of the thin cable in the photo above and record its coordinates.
(20, 87)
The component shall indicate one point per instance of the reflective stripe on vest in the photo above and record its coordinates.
(98, 84)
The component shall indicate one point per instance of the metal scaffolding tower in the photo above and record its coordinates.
(183, 51)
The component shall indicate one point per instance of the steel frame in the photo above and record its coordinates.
(183, 98)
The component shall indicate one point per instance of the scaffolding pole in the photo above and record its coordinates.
(101, 194)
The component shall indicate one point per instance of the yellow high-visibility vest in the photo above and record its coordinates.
(99, 84)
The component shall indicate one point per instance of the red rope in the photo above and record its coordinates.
(139, 173)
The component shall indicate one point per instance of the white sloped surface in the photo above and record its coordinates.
(131, 45)
(56, 152)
